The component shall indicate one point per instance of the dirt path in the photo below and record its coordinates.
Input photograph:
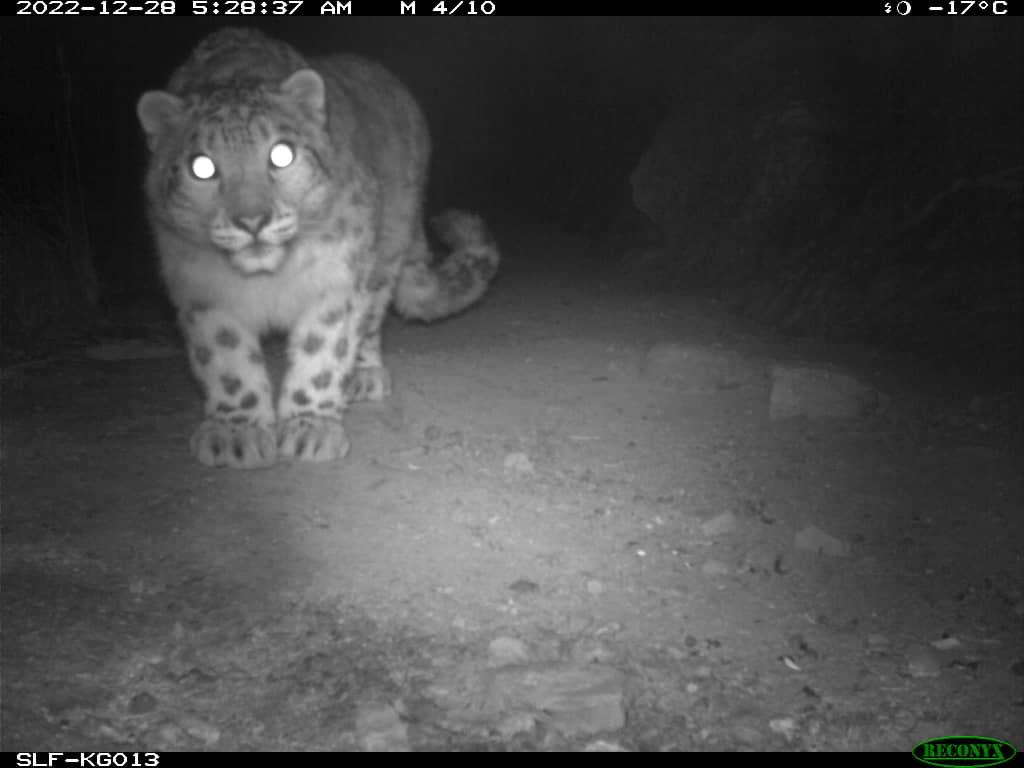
(540, 542)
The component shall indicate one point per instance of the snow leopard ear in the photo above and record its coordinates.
(158, 112)
(306, 89)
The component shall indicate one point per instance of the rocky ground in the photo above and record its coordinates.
(593, 516)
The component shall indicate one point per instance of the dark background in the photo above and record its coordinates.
(540, 124)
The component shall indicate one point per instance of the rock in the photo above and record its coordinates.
(715, 568)
(588, 650)
(747, 734)
(923, 662)
(518, 462)
(719, 524)
(170, 737)
(814, 539)
(695, 368)
(820, 394)
(604, 746)
(453, 438)
(112, 732)
(201, 730)
(379, 728)
(516, 723)
(142, 703)
(575, 699)
(504, 651)
(844, 271)
(524, 586)
(595, 587)
(784, 726)
(877, 643)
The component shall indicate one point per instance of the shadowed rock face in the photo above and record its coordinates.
(838, 187)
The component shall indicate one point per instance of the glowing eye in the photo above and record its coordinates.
(282, 155)
(203, 167)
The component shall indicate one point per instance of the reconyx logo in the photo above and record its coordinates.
(959, 751)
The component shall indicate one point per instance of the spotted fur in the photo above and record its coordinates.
(287, 194)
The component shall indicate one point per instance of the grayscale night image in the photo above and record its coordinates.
(511, 384)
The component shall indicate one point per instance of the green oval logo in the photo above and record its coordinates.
(957, 751)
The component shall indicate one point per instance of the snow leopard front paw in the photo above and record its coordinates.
(239, 446)
(312, 438)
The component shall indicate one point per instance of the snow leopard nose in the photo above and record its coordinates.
(252, 224)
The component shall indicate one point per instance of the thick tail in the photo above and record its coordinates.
(431, 291)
